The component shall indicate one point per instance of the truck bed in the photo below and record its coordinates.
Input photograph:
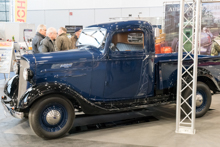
(166, 68)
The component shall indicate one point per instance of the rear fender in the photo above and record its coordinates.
(206, 77)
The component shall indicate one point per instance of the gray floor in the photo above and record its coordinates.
(17, 133)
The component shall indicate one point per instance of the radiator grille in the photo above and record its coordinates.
(22, 82)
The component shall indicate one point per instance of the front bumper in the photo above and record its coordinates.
(19, 115)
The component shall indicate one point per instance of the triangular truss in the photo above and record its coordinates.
(190, 12)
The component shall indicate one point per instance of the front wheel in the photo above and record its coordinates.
(203, 99)
(51, 117)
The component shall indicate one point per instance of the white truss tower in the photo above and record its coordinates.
(185, 119)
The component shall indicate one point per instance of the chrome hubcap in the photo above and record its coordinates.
(53, 117)
(199, 100)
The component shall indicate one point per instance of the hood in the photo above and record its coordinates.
(74, 55)
(29, 58)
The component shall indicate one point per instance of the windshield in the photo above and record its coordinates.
(92, 36)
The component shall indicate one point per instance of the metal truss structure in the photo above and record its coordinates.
(187, 74)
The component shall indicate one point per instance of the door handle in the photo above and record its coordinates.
(146, 57)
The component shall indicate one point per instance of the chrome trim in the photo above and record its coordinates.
(199, 100)
(53, 117)
(22, 82)
(19, 115)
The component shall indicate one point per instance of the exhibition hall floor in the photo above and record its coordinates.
(155, 132)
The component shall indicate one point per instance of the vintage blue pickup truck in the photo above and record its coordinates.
(111, 71)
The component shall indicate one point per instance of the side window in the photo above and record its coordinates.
(128, 41)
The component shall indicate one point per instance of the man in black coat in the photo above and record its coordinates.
(40, 35)
(48, 44)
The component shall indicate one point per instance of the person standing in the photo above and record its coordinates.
(40, 35)
(75, 37)
(216, 46)
(47, 44)
(62, 41)
(209, 40)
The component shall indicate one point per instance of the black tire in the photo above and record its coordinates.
(203, 106)
(49, 106)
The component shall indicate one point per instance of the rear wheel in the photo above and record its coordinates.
(203, 99)
(52, 117)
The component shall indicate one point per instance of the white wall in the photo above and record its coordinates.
(55, 18)
(85, 17)
(82, 17)
(93, 4)
(103, 15)
(55, 13)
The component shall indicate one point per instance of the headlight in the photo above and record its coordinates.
(15, 68)
(27, 74)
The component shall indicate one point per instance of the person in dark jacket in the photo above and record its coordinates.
(40, 35)
(47, 44)
(75, 37)
(62, 41)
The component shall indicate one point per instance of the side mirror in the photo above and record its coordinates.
(156, 32)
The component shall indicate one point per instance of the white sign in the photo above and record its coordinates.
(6, 52)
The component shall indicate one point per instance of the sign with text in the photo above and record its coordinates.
(6, 52)
(20, 10)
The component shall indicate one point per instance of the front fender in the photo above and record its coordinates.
(11, 86)
(40, 91)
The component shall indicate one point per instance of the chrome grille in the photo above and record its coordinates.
(22, 83)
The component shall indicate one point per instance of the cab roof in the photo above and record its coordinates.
(129, 24)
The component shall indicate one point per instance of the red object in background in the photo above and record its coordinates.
(71, 13)
(165, 50)
(157, 48)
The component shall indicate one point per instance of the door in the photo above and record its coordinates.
(124, 66)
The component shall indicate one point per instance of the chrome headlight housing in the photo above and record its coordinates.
(27, 74)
